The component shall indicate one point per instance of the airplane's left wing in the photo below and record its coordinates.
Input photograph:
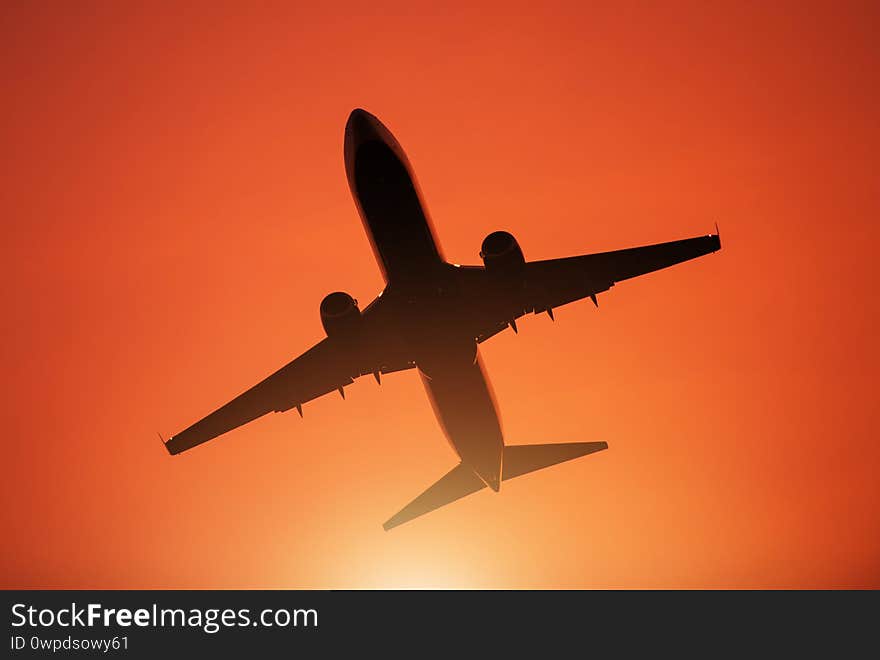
(556, 282)
(329, 365)
(544, 285)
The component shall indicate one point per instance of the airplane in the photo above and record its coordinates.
(431, 316)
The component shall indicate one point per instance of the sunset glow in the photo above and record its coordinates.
(175, 208)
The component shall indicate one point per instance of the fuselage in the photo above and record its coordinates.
(417, 276)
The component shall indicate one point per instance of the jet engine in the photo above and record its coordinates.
(501, 253)
(339, 314)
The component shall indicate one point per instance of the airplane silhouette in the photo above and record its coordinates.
(431, 316)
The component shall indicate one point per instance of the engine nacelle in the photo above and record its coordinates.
(501, 253)
(339, 314)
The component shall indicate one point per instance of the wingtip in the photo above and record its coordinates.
(168, 447)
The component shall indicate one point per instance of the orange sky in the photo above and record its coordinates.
(175, 207)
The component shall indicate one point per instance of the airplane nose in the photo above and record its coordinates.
(358, 114)
(362, 129)
(360, 125)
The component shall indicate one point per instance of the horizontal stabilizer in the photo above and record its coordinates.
(522, 459)
(457, 483)
(462, 480)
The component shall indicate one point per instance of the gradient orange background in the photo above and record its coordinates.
(175, 207)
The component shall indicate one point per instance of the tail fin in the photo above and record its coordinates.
(462, 480)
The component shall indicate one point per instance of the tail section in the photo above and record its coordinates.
(462, 480)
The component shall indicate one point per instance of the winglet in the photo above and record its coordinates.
(164, 444)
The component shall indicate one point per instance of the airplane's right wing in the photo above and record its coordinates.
(329, 365)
